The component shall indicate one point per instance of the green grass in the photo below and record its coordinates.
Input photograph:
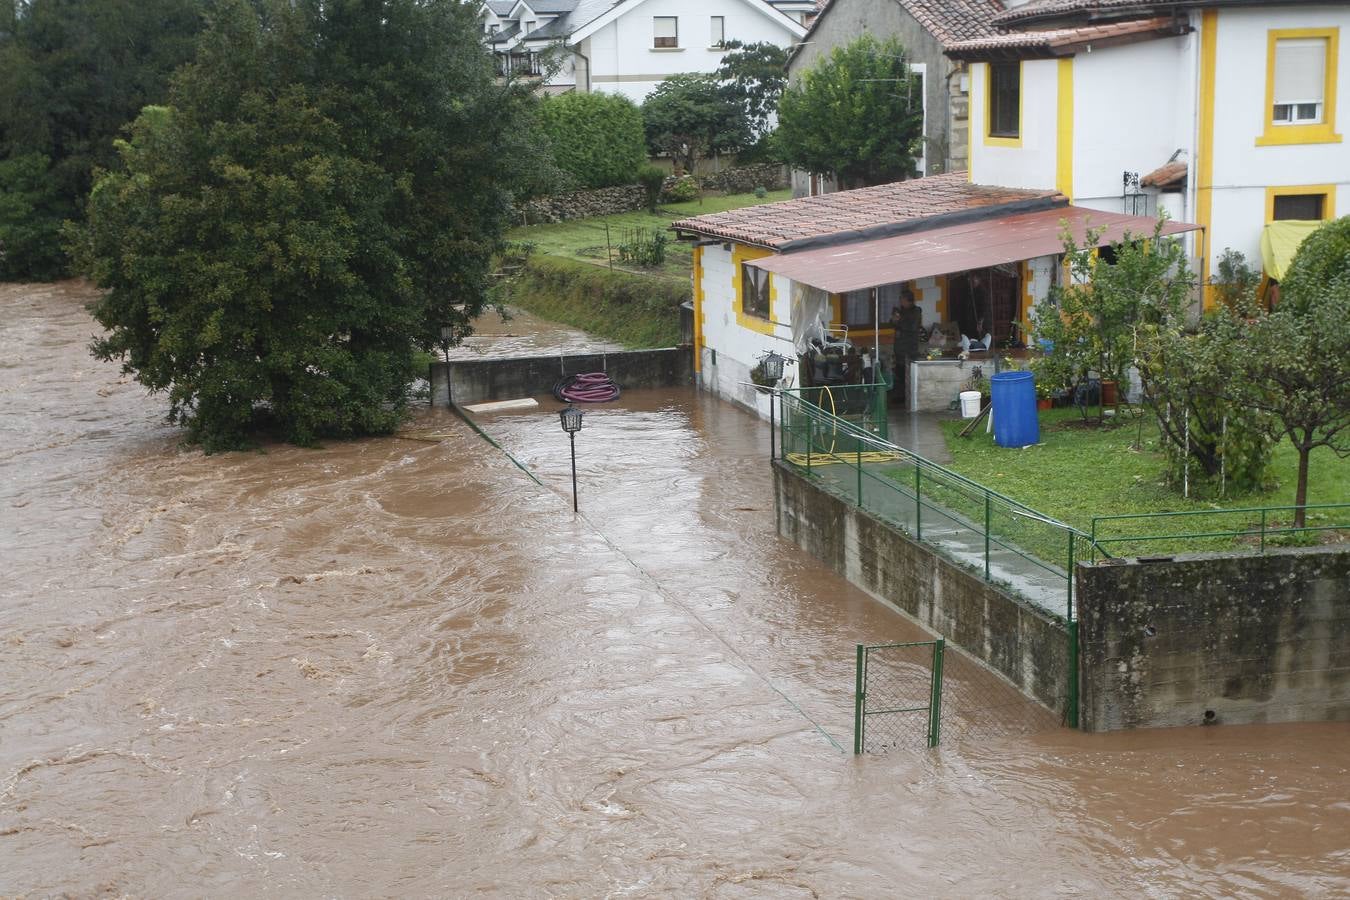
(1077, 473)
(584, 239)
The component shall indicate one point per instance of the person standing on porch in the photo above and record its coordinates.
(908, 324)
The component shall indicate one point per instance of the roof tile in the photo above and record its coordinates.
(774, 225)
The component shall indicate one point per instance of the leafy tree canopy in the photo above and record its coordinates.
(753, 77)
(598, 139)
(72, 74)
(324, 191)
(690, 116)
(857, 115)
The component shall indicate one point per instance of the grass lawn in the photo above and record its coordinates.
(1077, 473)
(584, 239)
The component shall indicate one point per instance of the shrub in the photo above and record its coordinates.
(682, 191)
(643, 247)
(761, 192)
(652, 179)
(598, 139)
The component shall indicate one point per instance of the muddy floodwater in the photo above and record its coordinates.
(400, 667)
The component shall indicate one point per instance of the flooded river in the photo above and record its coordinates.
(400, 667)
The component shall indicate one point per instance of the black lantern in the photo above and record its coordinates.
(773, 367)
(447, 338)
(570, 418)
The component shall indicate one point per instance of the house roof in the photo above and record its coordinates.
(1172, 174)
(864, 213)
(504, 35)
(1067, 41)
(501, 7)
(1051, 10)
(956, 248)
(948, 21)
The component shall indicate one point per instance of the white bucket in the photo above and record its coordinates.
(970, 404)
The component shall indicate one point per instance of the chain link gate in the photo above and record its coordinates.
(898, 698)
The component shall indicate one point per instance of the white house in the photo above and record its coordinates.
(775, 277)
(1229, 114)
(630, 46)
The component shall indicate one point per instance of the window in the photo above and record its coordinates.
(1301, 86)
(529, 26)
(1005, 100)
(1305, 202)
(1308, 207)
(1300, 81)
(719, 31)
(754, 291)
(858, 309)
(666, 32)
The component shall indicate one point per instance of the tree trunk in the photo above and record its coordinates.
(1301, 493)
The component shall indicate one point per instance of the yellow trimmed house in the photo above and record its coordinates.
(777, 276)
(1227, 113)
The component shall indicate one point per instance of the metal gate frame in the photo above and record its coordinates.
(934, 707)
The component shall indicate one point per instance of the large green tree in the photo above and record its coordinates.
(324, 191)
(72, 74)
(753, 77)
(857, 115)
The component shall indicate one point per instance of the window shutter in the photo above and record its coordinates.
(665, 30)
(1300, 70)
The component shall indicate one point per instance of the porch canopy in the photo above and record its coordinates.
(845, 267)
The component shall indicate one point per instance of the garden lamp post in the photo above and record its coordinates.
(447, 338)
(571, 423)
(773, 373)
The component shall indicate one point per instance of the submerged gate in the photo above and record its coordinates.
(898, 700)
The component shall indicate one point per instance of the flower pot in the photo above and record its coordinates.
(1109, 393)
(1044, 403)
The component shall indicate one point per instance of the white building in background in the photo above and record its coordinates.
(630, 46)
(1228, 114)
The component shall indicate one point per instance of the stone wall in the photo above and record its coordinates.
(630, 198)
(482, 381)
(1216, 639)
(1028, 646)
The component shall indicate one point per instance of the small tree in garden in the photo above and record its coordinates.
(1297, 357)
(690, 116)
(1093, 319)
(857, 115)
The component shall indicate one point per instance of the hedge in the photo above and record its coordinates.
(597, 138)
(638, 311)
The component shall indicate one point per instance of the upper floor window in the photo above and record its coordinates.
(1005, 100)
(1301, 86)
(529, 26)
(666, 32)
(1300, 81)
(719, 31)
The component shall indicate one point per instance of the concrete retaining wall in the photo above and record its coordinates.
(1026, 645)
(1217, 639)
(481, 381)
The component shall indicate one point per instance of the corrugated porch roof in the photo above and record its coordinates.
(957, 248)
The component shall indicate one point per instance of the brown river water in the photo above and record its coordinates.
(400, 667)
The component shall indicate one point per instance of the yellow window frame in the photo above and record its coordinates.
(1323, 132)
(741, 254)
(1328, 192)
(991, 140)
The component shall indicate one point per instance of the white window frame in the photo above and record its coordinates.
(656, 36)
(717, 32)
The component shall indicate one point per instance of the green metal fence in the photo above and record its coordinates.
(897, 696)
(862, 404)
(1257, 527)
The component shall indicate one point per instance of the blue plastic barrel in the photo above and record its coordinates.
(1015, 420)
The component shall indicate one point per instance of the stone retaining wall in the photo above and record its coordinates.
(630, 198)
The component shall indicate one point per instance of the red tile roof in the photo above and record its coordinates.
(860, 213)
(949, 21)
(1065, 41)
(1171, 174)
(1088, 10)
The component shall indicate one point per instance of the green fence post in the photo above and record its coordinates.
(986, 535)
(1073, 647)
(860, 503)
(1263, 531)
(918, 504)
(1092, 550)
(810, 438)
(935, 696)
(859, 702)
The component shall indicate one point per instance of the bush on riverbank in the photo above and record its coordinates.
(638, 311)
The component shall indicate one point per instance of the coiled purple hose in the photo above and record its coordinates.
(593, 387)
